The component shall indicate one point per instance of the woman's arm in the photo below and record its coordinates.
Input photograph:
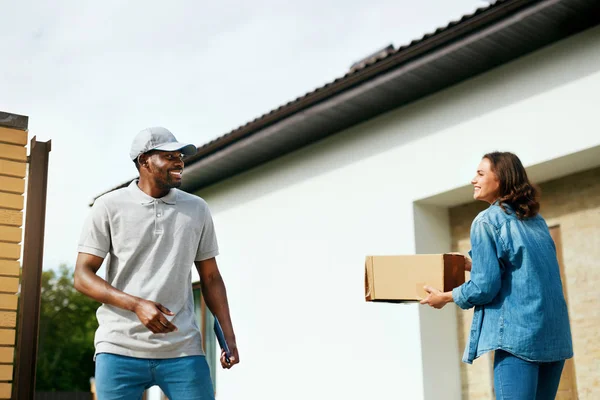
(486, 275)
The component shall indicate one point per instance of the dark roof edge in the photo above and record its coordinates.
(14, 121)
(468, 24)
(441, 37)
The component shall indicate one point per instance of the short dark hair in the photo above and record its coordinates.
(515, 188)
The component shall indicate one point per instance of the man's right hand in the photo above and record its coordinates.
(152, 315)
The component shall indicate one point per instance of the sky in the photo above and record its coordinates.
(90, 75)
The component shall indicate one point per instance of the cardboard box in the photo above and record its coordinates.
(401, 278)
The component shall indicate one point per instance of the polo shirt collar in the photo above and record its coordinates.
(143, 198)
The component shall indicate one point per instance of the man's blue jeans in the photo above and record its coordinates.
(517, 379)
(126, 378)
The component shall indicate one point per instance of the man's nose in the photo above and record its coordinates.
(178, 163)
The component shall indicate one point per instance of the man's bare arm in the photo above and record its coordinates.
(215, 296)
(87, 282)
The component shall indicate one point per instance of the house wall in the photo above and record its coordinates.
(293, 233)
(573, 203)
(13, 166)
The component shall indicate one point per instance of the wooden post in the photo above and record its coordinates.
(29, 301)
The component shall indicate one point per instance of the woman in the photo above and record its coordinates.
(515, 286)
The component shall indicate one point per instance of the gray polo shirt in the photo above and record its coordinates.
(150, 245)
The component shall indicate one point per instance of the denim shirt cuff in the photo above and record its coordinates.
(459, 299)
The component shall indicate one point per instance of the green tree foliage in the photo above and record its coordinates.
(67, 327)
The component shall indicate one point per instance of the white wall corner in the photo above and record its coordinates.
(438, 328)
(440, 354)
(432, 229)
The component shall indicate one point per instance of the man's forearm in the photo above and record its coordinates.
(215, 296)
(94, 287)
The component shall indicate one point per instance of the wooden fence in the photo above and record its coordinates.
(13, 167)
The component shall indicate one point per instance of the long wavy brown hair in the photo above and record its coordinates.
(515, 189)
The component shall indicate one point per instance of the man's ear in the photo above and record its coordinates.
(143, 160)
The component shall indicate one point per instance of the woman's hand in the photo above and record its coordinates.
(436, 298)
(468, 262)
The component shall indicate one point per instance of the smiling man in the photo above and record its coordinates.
(151, 232)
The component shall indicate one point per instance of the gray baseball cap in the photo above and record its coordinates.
(158, 138)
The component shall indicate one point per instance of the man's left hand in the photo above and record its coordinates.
(234, 357)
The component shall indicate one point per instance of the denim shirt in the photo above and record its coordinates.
(516, 289)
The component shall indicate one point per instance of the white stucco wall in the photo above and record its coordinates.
(294, 233)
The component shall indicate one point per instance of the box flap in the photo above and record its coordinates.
(369, 283)
(454, 271)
